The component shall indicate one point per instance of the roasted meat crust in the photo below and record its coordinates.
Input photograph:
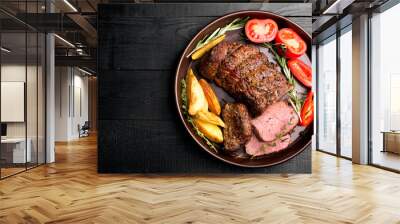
(237, 131)
(246, 74)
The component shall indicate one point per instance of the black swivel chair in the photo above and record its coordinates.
(84, 130)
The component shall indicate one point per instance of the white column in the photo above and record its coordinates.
(314, 87)
(50, 92)
(360, 90)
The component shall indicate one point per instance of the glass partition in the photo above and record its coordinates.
(41, 97)
(23, 91)
(13, 94)
(31, 99)
(32, 84)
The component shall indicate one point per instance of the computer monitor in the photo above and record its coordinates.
(3, 129)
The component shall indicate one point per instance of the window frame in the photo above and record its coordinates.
(334, 37)
(381, 9)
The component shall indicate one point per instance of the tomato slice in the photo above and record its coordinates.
(261, 30)
(307, 112)
(301, 71)
(295, 46)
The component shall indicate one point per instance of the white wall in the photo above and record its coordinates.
(62, 81)
(71, 102)
(80, 112)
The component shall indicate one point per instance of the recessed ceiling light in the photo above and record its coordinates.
(5, 50)
(70, 5)
(337, 7)
(65, 41)
(84, 71)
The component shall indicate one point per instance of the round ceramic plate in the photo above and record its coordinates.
(300, 138)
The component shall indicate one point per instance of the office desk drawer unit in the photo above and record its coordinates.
(391, 142)
(14, 150)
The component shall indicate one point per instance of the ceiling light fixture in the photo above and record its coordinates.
(70, 5)
(337, 7)
(84, 71)
(65, 41)
(5, 50)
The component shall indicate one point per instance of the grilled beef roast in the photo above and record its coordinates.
(256, 147)
(237, 129)
(246, 74)
(209, 64)
(277, 120)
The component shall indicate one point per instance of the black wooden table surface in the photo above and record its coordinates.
(138, 53)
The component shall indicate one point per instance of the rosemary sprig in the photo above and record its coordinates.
(281, 61)
(236, 24)
(190, 119)
(294, 100)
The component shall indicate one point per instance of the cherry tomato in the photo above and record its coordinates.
(307, 112)
(301, 71)
(295, 46)
(261, 30)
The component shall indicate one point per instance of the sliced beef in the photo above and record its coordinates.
(246, 74)
(276, 121)
(210, 63)
(256, 147)
(237, 129)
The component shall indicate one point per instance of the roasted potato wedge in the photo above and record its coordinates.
(200, 52)
(212, 99)
(211, 131)
(210, 118)
(196, 98)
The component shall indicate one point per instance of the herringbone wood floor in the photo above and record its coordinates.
(71, 191)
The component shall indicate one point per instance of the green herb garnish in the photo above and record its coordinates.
(294, 100)
(281, 62)
(190, 119)
(279, 135)
(236, 24)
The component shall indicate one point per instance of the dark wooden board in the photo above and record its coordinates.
(201, 9)
(164, 146)
(139, 49)
(167, 40)
(138, 95)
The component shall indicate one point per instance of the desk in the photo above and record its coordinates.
(16, 147)
(391, 141)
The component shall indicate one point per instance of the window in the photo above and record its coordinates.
(327, 96)
(346, 92)
(385, 89)
(334, 109)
